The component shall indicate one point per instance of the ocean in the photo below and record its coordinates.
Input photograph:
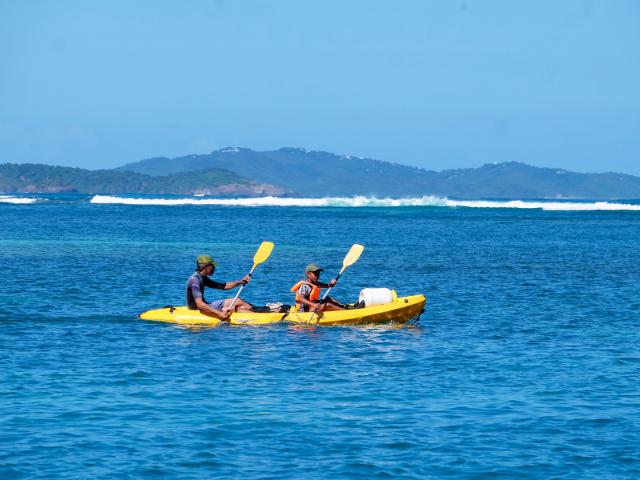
(525, 363)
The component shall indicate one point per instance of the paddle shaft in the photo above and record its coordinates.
(352, 257)
(263, 252)
(326, 294)
(239, 291)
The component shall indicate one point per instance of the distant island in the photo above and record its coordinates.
(299, 172)
(38, 178)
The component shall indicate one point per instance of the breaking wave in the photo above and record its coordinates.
(541, 205)
(17, 200)
(361, 201)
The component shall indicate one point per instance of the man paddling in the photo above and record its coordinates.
(308, 292)
(205, 266)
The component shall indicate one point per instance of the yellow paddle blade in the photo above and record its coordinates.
(263, 252)
(353, 255)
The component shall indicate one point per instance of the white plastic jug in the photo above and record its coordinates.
(375, 296)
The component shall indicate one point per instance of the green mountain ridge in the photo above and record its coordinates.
(39, 178)
(310, 173)
(317, 173)
(295, 171)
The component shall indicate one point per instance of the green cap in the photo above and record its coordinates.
(204, 260)
(312, 267)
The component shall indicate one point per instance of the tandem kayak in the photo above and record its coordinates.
(401, 310)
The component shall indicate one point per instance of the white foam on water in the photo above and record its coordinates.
(553, 206)
(358, 201)
(17, 200)
(361, 201)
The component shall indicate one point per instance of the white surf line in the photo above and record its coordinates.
(551, 206)
(17, 200)
(362, 201)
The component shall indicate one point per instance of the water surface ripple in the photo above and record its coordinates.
(524, 365)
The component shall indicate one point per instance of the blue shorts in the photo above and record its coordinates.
(217, 304)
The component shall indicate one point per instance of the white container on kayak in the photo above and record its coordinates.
(376, 296)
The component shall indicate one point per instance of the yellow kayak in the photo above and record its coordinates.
(401, 310)
(184, 316)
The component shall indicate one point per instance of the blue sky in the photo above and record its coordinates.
(439, 85)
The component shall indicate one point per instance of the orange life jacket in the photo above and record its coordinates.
(313, 297)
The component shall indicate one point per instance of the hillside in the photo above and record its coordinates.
(294, 171)
(324, 174)
(308, 172)
(518, 180)
(32, 178)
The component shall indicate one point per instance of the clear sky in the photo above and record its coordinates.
(437, 84)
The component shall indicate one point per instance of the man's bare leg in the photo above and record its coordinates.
(239, 306)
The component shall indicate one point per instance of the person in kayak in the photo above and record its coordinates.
(205, 266)
(308, 292)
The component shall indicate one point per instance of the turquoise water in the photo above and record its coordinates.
(525, 363)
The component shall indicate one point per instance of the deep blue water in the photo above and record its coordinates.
(525, 363)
